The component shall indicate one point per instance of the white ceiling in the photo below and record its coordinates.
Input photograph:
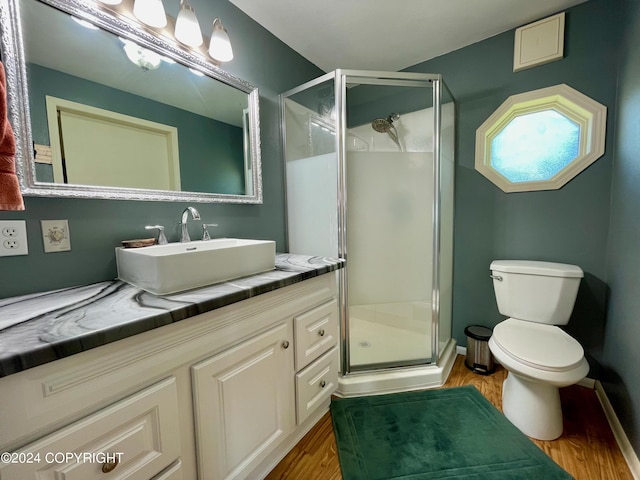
(390, 35)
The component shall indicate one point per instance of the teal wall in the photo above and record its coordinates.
(98, 226)
(621, 378)
(568, 225)
(211, 152)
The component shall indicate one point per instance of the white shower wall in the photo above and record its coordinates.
(390, 213)
(389, 227)
(313, 223)
(312, 186)
(415, 133)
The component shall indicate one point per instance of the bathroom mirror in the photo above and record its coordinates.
(91, 123)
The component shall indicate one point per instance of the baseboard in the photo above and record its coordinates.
(587, 382)
(618, 432)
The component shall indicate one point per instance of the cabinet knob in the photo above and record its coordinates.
(321, 332)
(285, 344)
(109, 466)
(323, 384)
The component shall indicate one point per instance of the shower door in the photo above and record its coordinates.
(365, 183)
(388, 176)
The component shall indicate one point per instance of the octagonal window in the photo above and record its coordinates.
(535, 146)
(540, 140)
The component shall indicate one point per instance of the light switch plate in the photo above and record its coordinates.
(55, 235)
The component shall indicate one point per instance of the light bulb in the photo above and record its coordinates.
(111, 2)
(142, 57)
(150, 12)
(220, 46)
(187, 27)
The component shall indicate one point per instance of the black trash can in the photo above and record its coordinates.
(479, 358)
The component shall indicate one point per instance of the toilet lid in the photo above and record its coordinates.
(546, 347)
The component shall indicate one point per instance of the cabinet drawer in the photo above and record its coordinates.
(140, 434)
(316, 332)
(316, 383)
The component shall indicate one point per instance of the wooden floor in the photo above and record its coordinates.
(586, 449)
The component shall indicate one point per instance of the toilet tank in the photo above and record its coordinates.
(541, 292)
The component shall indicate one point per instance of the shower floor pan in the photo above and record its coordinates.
(393, 334)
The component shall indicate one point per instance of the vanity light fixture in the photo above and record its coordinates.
(220, 45)
(187, 27)
(186, 31)
(150, 12)
(142, 57)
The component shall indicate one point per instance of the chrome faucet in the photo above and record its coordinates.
(184, 236)
(162, 239)
(205, 232)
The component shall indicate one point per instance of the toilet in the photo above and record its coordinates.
(538, 355)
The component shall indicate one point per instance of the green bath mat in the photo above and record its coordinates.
(449, 433)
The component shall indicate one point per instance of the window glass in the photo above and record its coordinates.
(540, 140)
(535, 146)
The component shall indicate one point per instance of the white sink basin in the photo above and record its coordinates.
(164, 269)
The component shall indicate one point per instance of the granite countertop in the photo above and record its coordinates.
(44, 327)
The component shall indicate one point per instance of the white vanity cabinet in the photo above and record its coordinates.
(218, 396)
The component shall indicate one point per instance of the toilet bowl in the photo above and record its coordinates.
(540, 359)
(538, 355)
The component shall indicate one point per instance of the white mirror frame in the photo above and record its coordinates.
(12, 47)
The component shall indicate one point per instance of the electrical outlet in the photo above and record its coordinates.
(13, 238)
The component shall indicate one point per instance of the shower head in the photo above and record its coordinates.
(381, 125)
(385, 125)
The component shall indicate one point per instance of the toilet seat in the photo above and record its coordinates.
(540, 346)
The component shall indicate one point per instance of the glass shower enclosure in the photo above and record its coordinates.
(369, 163)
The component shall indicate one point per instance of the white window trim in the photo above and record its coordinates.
(589, 114)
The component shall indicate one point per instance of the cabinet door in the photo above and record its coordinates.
(244, 403)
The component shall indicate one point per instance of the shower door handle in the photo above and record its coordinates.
(496, 277)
